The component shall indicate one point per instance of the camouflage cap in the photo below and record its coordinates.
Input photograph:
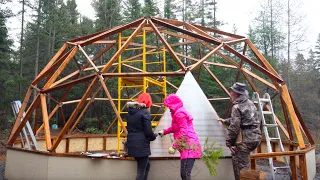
(239, 88)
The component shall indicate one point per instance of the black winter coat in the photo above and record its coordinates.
(139, 130)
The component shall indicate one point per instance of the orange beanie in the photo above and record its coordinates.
(145, 98)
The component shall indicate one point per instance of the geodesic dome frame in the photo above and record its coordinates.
(92, 71)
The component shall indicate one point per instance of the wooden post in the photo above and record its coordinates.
(45, 120)
(303, 167)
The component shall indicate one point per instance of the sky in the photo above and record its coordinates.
(235, 12)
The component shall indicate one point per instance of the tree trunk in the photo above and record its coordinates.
(20, 51)
(36, 63)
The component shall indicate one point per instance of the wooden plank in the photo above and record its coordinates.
(286, 117)
(218, 31)
(55, 57)
(61, 68)
(143, 74)
(113, 31)
(285, 95)
(54, 66)
(293, 167)
(30, 110)
(104, 143)
(236, 41)
(67, 145)
(252, 63)
(20, 114)
(198, 36)
(207, 62)
(112, 104)
(175, 57)
(87, 144)
(68, 84)
(88, 58)
(206, 56)
(303, 167)
(285, 153)
(258, 78)
(217, 80)
(45, 120)
(199, 31)
(50, 116)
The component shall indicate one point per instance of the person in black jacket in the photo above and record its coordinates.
(140, 134)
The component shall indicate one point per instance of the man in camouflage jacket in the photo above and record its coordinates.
(243, 134)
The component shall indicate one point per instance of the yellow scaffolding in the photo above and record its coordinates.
(141, 83)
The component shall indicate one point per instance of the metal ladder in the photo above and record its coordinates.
(16, 105)
(262, 102)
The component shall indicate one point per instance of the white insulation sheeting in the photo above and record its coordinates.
(205, 120)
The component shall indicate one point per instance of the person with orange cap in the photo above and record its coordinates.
(140, 133)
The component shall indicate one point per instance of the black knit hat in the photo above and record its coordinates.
(239, 88)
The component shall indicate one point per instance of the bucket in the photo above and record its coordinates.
(54, 126)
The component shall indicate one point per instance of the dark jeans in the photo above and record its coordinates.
(185, 168)
(143, 167)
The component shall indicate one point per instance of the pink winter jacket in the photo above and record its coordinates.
(185, 138)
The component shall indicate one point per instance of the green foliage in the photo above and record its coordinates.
(93, 130)
(210, 156)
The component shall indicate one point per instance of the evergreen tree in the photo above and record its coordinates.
(107, 13)
(169, 8)
(132, 10)
(150, 8)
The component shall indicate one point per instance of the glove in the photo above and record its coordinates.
(172, 150)
(161, 133)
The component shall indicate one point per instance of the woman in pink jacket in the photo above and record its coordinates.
(186, 140)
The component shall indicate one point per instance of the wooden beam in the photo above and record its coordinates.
(49, 118)
(175, 57)
(286, 97)
(217, 80)
(113, 31)
(206, 57)
(285, 153)
(61, 68)
(261, 58)
(198, 36)
(252, 63)
(199, 31)
(143, 74)
(68, 84)
(20, 114)
(286, 117)
(55, 57)
(258, 78)
(30, 110)
(172, 85)
(112, 104)
(207, 62)
(303, 167)
(45, 120)
(218, 31)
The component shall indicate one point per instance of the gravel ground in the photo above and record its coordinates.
(2, 164)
